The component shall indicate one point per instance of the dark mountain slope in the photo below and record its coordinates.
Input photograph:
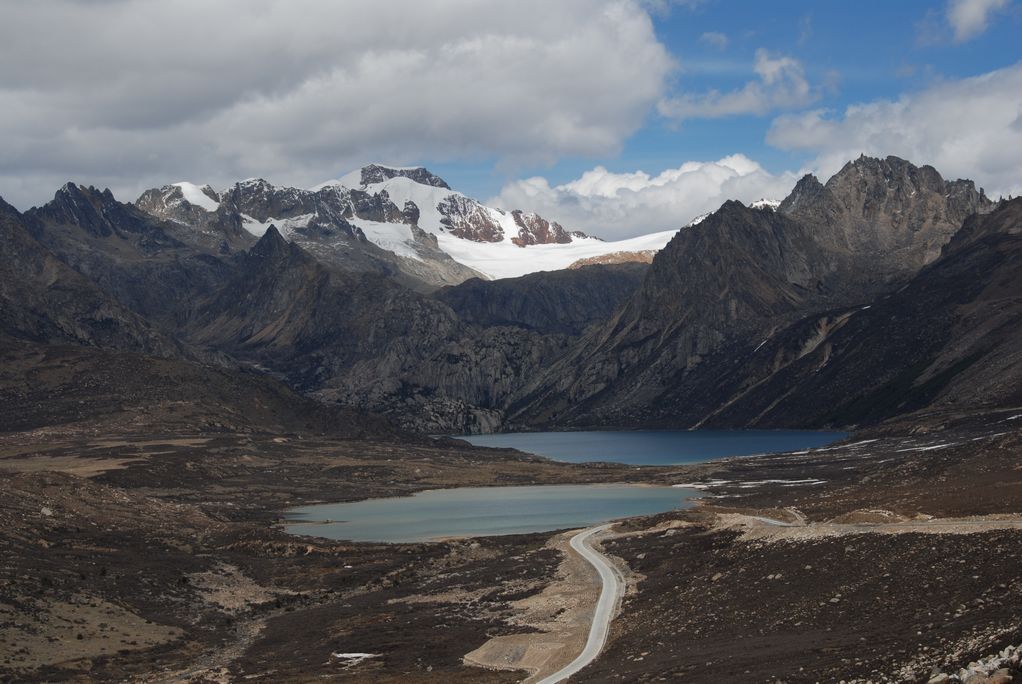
(110, 391)
(722, 287)
(742, 271)
(71, 354)
(45, 301)
(133, 257)
(365, 340)
(951, 339)
(567, 301)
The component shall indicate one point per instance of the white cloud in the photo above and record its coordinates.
(300, 90)
(781, 84)
(620, 205)
(714, 39)
(969, 18)
(968, 128)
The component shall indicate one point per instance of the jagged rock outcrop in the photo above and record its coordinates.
(533, 229)
(44, 301)
(644, 256)
(376, 173)
(133, 257)
(465, 218)
(895, 214)
(204, 227)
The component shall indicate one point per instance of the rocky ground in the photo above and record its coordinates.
(892, 557)
(160, 559)
(896, 563)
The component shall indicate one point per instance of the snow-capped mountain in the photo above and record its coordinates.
(407, 217)
(770, 204)
(496, 242)
(324, 222)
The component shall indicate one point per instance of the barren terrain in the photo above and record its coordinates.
(160, 558)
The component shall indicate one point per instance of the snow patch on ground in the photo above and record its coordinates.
(507, 260)
(703, 485)
(932, 447)
(697, 220)
(285, 226)
(394, 237)
(193, 194)
(353, 659)
(783, 483)
(770, 204)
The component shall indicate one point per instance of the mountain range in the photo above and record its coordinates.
(883, 291)
(403, 222)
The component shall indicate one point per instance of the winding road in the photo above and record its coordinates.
(610, 594)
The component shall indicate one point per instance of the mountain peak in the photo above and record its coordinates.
(72, 190)
(379, 173)
(807, 191)
(273, 247)
(87, 207)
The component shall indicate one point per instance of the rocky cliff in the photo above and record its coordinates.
(723, 287)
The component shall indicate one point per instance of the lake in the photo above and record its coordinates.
(656, 447)
(484, 511)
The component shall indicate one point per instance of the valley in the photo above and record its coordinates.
(576, 342)
(180, 373)
(183, 531)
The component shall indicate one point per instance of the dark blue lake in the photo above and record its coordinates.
(656, 447)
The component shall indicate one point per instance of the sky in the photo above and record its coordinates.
(617, 117)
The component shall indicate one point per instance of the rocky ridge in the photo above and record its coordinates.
(722, 288)
(354, 223)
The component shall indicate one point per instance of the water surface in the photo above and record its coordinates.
(484, 511)
(656, 447)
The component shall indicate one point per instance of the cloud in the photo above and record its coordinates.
(781, 84)
(663, 7)
(969, 18)
(965, 128)
(714, 39)
(301, 90)
(619, 205)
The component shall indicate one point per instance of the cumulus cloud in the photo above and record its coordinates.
(969, 18)
(780, 84)
(300, 90)
(620, 205)
(967, 128)
(714, 39)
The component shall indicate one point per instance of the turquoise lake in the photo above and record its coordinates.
(656, 447)
(483, 511)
